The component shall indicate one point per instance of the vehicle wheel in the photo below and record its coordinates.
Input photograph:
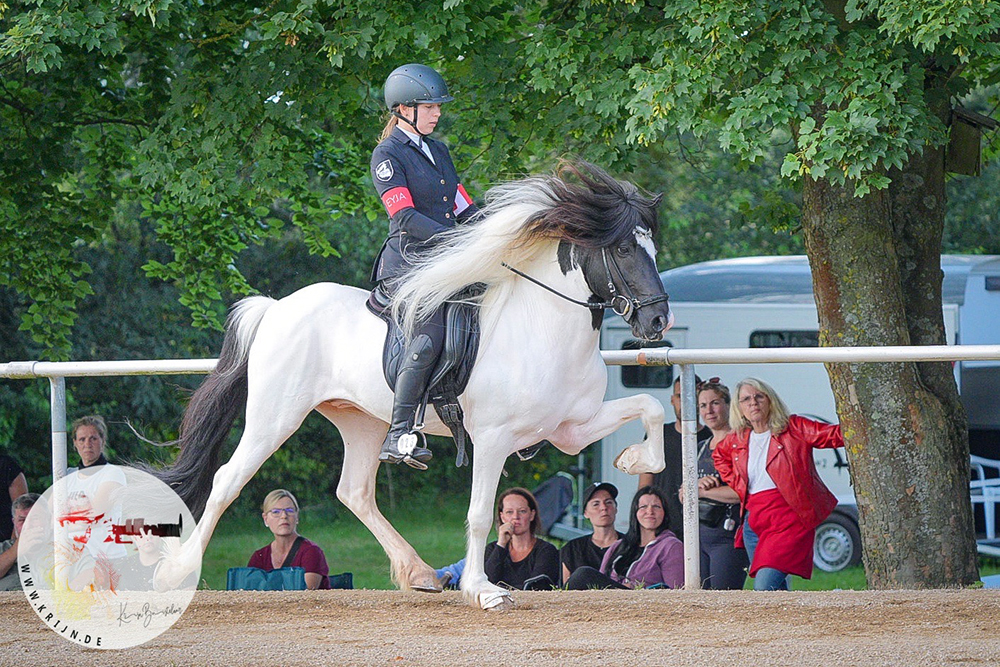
(837, 545)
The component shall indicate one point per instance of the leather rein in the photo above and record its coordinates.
(626, 305)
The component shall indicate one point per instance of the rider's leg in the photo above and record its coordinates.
(411, 383)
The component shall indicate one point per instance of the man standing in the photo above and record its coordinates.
(600, 507)
(670, 478)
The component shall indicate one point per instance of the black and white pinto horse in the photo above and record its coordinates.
(552, 252)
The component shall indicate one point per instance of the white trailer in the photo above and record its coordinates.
(768, 302)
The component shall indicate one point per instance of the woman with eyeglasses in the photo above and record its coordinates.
(280, 512)
(723, 564)
(768, 462)
(519, 559)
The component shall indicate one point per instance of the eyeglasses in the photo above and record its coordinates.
(756, 398)
(287, 511)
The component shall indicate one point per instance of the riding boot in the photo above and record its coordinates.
(411, 384)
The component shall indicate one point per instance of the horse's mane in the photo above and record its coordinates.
(580, 204)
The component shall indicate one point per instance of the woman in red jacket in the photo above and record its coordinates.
(768, 461)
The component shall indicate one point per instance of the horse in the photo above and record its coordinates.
(552, 252)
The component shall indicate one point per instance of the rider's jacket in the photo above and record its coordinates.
(421, 196)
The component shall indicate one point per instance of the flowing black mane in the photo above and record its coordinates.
(592, 209)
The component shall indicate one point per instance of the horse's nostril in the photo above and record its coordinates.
(659, 323)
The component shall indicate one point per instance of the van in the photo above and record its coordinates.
(768, 302)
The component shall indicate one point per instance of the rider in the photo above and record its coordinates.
(418, 185)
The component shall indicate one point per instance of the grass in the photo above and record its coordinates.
(437, 533)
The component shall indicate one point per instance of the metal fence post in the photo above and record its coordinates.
(57, 385)
(689, 456)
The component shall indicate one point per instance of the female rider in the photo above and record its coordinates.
(417, 182)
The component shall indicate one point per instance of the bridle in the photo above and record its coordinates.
(626, 305)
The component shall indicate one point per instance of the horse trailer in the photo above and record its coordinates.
(768, 302)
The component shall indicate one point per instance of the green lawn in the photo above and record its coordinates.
(437, 533)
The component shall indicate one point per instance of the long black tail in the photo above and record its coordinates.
(213, 408)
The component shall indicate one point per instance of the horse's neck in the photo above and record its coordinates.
(532, 312)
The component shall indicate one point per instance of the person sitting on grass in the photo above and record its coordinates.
(289, 549)
(518, 559)
(600, 507)
(649, 556)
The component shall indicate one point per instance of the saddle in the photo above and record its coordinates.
(451, 373)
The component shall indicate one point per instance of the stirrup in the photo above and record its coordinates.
(408, 452)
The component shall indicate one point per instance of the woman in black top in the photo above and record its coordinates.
(518, 559)
(417, 182)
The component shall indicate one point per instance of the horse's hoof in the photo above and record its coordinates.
(496, 601)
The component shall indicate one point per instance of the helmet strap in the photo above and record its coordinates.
(411, 123)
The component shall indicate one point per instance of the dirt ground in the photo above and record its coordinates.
(590, 628)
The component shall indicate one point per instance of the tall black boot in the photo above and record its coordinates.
(411, 384)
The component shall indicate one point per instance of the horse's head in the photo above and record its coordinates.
(612, 223)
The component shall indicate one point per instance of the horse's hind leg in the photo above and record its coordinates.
(363, 435)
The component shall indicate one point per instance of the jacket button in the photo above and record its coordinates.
(444, 198)
(447, 215)
(442, 181)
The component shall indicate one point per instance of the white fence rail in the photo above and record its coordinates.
(57, 372)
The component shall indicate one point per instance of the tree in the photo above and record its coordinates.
(865, 88)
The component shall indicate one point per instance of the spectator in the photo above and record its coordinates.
(649, 556)
(768, 461)
(600, 507)
(280, 512)
(723, 565)
(10, 580)
(518, 559)
(670, 478)
(11, 479)
(90, 437)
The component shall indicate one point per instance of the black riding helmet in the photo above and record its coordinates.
(412, 85)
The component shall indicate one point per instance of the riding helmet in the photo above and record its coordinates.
(415, 84)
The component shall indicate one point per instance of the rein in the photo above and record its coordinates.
(621, 304)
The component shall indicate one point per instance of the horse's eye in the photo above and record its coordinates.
(623, 250)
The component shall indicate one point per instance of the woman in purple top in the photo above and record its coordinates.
(281, 516)
(649, 555)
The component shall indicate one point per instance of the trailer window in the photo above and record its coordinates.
(646, 377)
(784, 339)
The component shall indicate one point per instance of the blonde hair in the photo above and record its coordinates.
(271, 499)
(778, 417)
(390, 125)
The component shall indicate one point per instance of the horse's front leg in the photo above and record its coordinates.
(487, 462)
(647, 456)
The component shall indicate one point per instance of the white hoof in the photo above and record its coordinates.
(496, 601)
(635, 460)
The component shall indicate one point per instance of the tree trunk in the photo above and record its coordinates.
(877, 280)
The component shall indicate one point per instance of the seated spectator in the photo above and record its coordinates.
(600, 507)
(10, 580)
(289, 549)
(14, 485)
(518, 559)
(648, 556)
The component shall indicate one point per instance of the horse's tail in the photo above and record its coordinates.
(213, 408)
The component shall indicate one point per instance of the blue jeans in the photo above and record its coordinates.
(767, 578)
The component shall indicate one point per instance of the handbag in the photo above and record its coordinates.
(712, 513)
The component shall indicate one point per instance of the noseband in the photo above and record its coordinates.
(626, 305)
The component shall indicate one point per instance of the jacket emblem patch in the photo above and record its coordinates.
(383, 171)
